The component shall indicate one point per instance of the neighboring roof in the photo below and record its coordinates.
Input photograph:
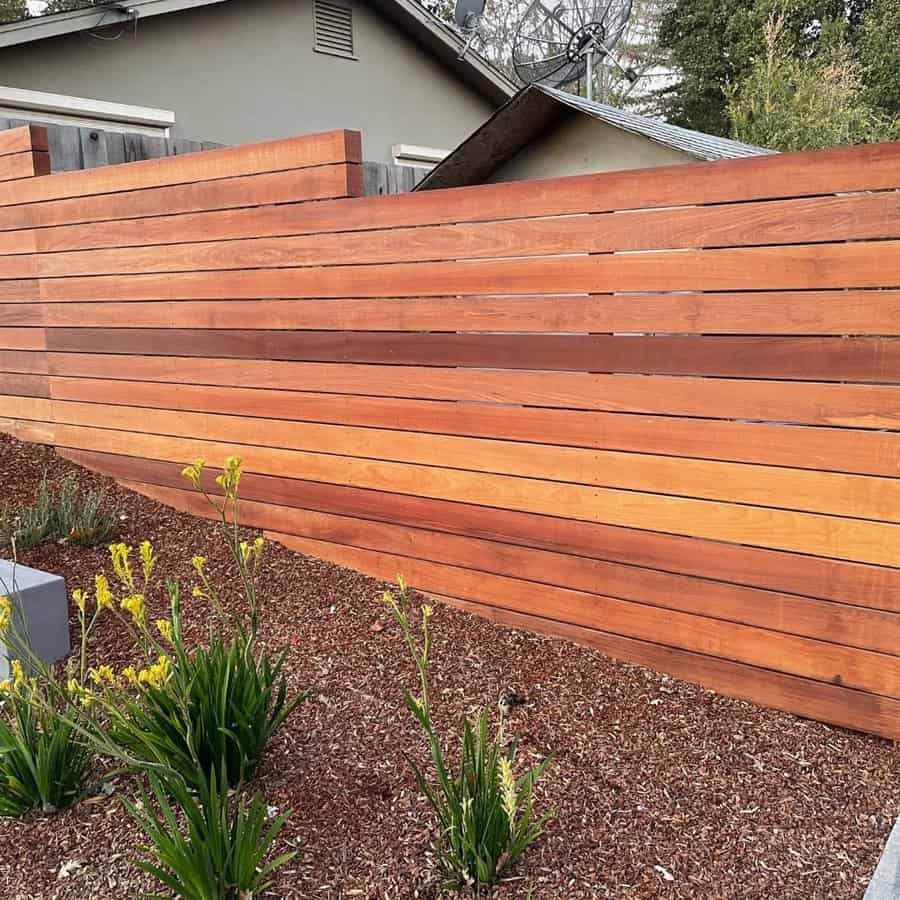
(442, 41)
(535, 109)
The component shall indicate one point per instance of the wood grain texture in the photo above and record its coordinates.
(857, 540)
(27, 164)
(841, 170)
(827, 703)
(22, 339)
(799, 313)
(789, 222)
(289, 153)
(23, 139)
(24, 384)
(126, 208)
(833, 622)
(657, 410)
(798, 656)
(23, 362)
(835, 450)
(857, 584)
(826, 492)
(850, 405)
(823, 359)
(802, 266)
(32, 432)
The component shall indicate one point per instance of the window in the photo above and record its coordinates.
(333, 28)
(61, 109)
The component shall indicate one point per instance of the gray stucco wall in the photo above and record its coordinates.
(580, 145)
(246, 71)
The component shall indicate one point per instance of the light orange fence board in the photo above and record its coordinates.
(655, 411)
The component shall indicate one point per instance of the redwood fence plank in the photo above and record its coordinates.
(851, 405)
(803, 266)
(789, 222)
(658, 411)
(836, 450)
(875, 312)
(821, 358)
(826, 492)
(289, 153)
(850, 539)
(854, 583)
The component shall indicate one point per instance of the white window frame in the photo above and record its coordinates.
(418, 156)
(62, 109)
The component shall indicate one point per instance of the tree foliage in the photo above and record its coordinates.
(715, 43)
(788, 102)
(13, 11)
(879, 55)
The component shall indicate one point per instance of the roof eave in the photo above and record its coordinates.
(40, 27)
(446, 44)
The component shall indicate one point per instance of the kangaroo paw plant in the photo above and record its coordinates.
(484, 811)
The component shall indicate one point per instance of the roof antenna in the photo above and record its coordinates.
(467, 17)
(560, 45)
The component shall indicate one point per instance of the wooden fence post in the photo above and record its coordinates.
(24, 153)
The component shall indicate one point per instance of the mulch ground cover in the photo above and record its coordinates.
(659, 788)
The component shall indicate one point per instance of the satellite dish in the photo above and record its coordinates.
(558, 44)
(467, 14)
(467, 17)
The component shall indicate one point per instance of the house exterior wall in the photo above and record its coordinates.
(246, 71)
(580, 145)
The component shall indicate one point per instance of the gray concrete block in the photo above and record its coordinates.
(885, 884)
(39, 611)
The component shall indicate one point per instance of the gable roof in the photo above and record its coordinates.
(535, 109)
(438, 38)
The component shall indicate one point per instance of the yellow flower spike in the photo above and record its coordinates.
(79, 598)
(73, 686)
(508, 789)
(198, 562)
(164, 627)
(193, 472)
(258, 546)
(5, 686)
(121, 565)
(245, 552)
(129, 675)
(148, 559)
(427, 612)
(135, 605)
(5, 613)
(18, 673)
(104, 595)
(102, 675)
(401, 583)
(197, 592)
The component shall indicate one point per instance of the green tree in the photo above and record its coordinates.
(788, 102)
(13, 11)
(879, 55)
(716, 43)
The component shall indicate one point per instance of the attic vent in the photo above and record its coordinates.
(333, 24)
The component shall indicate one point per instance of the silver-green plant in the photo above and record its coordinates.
(484, 812)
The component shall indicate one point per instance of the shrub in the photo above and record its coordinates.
(218, 709)
(220, 853)
(484, 812)
(80, 515)
(43, 758)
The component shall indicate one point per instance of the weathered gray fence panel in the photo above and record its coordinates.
(384, 178)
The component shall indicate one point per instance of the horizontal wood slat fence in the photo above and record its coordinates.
(655, 411)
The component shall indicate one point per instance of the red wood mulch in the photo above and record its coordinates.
(661, 788)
